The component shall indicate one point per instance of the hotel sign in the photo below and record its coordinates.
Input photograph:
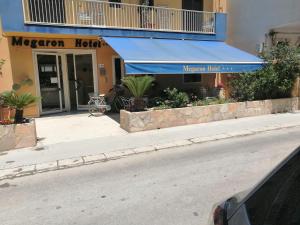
(200, 69)
(54, 43)
(178, 68)
(207, 68)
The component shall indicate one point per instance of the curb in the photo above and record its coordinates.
(27, 170)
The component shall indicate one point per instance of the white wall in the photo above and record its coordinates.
(250, 20)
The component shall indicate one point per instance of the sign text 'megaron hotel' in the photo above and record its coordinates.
(34, 43)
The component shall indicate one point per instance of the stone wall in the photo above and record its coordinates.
(156, 119)
(17, 136)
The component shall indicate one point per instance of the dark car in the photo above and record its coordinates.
(274, 201)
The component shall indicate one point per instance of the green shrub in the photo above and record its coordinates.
(212, 101)
(138, 85)
(175, 98)
(274, 80)
(18, 102)
(170, 98)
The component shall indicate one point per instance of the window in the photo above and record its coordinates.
(151, 3)
(115, 5)
(192, 78)
(147, 2)
(277, 201)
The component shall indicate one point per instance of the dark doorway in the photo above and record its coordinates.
(51, 11)
(192, 21)
(192, 5)
(118, 71)
(72, 81)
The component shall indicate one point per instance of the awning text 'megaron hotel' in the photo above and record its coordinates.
(70, 48)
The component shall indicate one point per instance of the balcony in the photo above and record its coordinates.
(103, 14)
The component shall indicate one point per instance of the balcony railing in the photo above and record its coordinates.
(103, 14)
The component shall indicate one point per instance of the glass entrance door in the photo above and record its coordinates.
(81, 79)
(49, 67)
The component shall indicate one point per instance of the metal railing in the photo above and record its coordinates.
(103, 14)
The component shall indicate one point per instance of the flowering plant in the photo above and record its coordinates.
(5, 122)
(220, 86)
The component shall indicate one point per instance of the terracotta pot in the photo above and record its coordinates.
(5, 113)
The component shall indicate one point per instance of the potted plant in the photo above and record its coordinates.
(221, 91)
(18, 102)
(4, 112)
(138, 87)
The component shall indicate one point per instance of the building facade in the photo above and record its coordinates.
(250, 22)
(70, 48)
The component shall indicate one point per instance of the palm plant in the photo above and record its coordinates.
(138, 86)
(18, 102)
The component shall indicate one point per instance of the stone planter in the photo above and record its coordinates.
(17, 136)
(156, 119)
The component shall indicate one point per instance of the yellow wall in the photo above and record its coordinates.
(6, 79)
(105, 56)
(22, 68)
(219, 5)
(21, 59)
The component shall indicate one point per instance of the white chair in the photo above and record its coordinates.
(97, 104)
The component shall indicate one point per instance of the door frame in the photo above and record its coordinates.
(95, 77)
(63, 53)
(114, 57)
(37, 80)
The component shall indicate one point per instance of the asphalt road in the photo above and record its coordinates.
(172, 187)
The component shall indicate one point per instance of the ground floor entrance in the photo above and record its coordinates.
(67, 72)
(65, 79)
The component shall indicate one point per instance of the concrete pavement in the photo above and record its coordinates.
(177, 186)
(76, 153)
(66, 127)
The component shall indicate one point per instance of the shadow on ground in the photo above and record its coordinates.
(114, 116)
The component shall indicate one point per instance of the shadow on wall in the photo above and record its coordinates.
(190, 83)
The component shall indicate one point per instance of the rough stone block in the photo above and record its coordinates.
(166, 145)
(70, 162)
(17, 136)
(26, 170)
(183, 143)
(94, 158)
(156, 119)
(144, 149)
(46, 166)
(118, 154)
(202, 139)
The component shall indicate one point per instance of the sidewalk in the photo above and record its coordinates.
(75, 153)
(66, 127)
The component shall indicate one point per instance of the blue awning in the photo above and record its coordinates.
(165, 56)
